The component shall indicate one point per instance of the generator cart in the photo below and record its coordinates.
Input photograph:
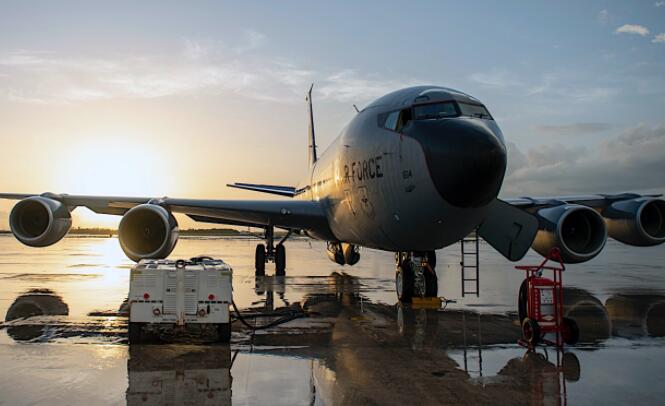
(173, 298)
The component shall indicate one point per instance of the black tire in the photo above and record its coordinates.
(260, 260)
(431, 283)
(224, 333)
(404, 278)
(531, 331)
(431, 259)
(135, 333)
(570, 333)
(522, 301)
(280, 260)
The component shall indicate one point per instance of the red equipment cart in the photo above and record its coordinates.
(540, 305)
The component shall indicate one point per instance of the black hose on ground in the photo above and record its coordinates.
(291, 316)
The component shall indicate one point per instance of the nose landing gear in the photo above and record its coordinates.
(271, 253)
(416, 275)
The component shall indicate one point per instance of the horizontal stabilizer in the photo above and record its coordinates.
(288, 191)
(509, 230)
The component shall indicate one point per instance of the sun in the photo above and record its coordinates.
(112, 164)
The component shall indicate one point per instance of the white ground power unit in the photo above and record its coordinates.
(171, 298)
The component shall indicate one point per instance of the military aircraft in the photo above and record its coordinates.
(416, 170)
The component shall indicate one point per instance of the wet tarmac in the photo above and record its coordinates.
(64, 336)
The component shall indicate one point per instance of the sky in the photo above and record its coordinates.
(158, 98)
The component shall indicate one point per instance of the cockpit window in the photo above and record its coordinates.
(391, 120)
(474, 110)
(404, 118)
(395, 120)
(435, 111)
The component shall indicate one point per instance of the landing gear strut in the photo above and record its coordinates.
(271, 253)
(416, 275)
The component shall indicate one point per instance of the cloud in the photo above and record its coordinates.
(632, 160)
(572, 129)
(660, 38)
(198, 69)
(550, 87)
(659, 3)
(347, 85)
(254, 40)
(496, 79)
(603, 17)
(633, 29)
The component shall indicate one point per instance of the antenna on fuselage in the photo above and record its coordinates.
(311, 148)
(356, 107)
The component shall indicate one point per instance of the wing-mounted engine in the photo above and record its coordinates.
(148, 231)
(39, 221)
(578, 231)
(343, 253)
(639, 221)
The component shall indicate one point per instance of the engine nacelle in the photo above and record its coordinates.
(39, 221)
(638, 222)
(148, 231)
(578, 231)
(343, 253)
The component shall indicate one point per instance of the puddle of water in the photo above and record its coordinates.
(64, 341)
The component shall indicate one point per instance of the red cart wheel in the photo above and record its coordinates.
(531, 331)
(522, 299)
(570, 333)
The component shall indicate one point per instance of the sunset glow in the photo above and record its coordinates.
(177, 102)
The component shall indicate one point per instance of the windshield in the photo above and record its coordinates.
(434, 111)
(474, 110)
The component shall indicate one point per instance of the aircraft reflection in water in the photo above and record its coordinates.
(627, 315)
(414, 342)
(33, 303)
(354, 343)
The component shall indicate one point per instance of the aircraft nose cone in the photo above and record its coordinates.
(466, 159)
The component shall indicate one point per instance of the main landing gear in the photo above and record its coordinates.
(271, 253)
(416, 275)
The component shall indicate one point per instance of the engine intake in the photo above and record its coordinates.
(639, 222)
(39, 221)
(148, 231)
(578, 231)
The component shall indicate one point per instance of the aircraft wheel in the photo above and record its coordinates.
(280, 260)
(404, 283)
(531, 331)
(431, 283)
(431, 259)
(260, 260)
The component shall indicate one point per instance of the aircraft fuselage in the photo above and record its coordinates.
(420, 186)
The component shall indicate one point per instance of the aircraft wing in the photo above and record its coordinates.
(289, 214)
(511, 225)
(594, 201)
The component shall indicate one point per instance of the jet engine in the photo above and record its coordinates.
(638, 222)
(148, 231)
(343, 253)
(578, 231)
(39, 221)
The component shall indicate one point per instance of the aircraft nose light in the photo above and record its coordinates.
(466, 160)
